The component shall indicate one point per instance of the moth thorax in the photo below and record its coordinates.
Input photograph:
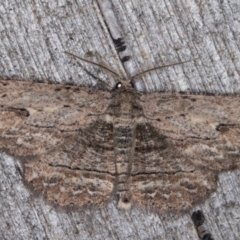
(126, 107)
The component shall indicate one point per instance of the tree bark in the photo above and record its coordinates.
(34, 36)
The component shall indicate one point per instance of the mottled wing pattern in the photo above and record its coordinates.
(80, 172)
(36, 117)
(177, 159)
(69, 151)
(71, 156)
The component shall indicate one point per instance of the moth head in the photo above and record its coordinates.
(125, 200)
(118, 85)
(125, 85)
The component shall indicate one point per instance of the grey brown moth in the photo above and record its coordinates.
(82, 146)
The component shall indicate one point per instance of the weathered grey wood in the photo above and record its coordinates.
(34, 35)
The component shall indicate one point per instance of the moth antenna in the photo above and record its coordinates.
(159, 67)
(96, 64)
(98, 79)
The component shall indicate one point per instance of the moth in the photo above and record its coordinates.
(83, 147)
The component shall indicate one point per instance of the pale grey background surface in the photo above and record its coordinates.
(34, 35)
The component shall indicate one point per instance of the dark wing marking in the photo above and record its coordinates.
(91, 149)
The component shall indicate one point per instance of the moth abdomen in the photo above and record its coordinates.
(124, 145)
